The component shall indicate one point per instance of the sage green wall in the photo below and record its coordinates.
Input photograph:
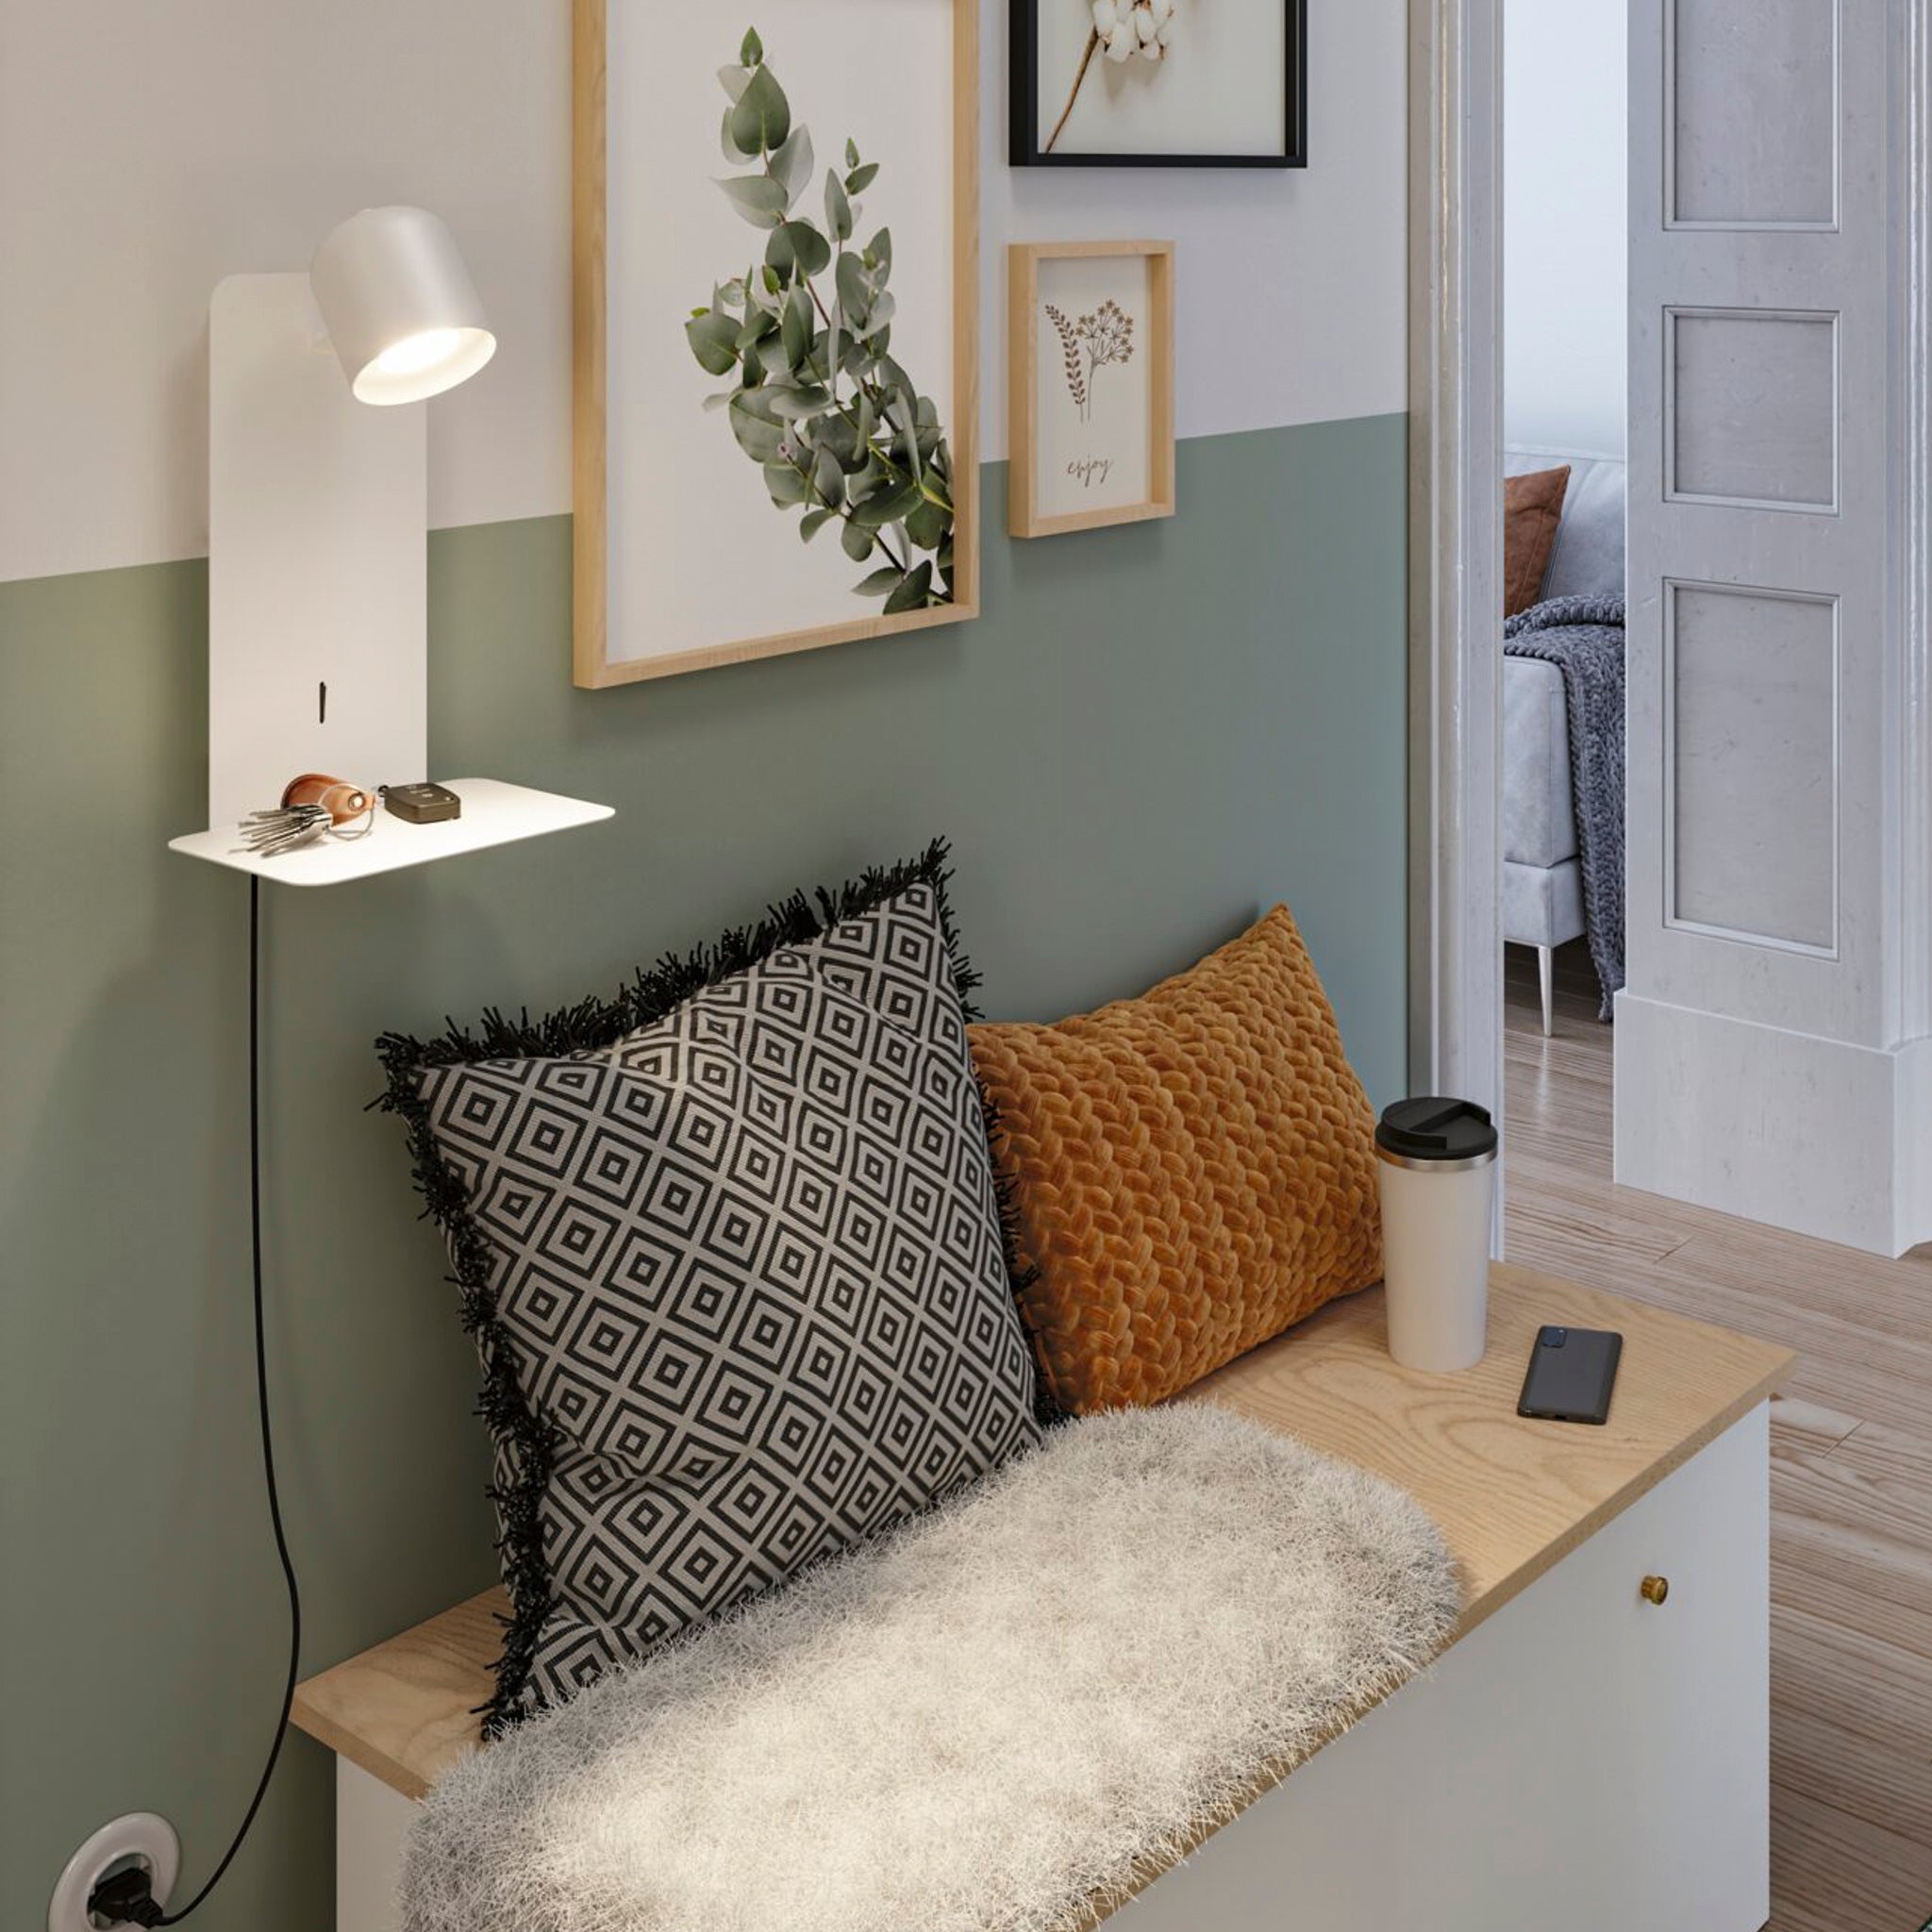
(1153, 733)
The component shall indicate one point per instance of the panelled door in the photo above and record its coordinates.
(1764, 635)
(1758, 546)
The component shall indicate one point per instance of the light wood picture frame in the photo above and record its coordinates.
(684, 555)
(1090, 385)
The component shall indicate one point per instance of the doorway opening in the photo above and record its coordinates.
(1564, 242)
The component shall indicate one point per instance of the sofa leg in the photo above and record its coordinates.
(1546, 969)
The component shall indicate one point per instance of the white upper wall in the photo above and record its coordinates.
(1565, 225)
(148, 150)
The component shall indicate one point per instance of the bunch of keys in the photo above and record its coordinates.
(311, 805)
(269, 834)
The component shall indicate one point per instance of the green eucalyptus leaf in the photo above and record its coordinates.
(751, 53)
(926, 524)
(828, 478)
(758, 434)
(883, 310)
(761, 202)
(797, 248)
(879, 582)
(729, 294)
(713, 337)
(734, 79)
(929, 487)
(860, 178)
(726, 146)
(854, 295)
(886, 507)
(787, 487)
(796, 327)
(720, 398)
(856, 541)
(765, 292)
(851, 153)
(762, 117)
(838, 440)
(837, 209)
(879, 255)
(795, 404)
(913, 593)
(757, 327)
(793, 163)
(903, 413)
(813, 523)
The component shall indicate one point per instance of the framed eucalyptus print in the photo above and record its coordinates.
(776, 340)
(1159, 83)
(1091, 385)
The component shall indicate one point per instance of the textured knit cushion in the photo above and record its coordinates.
(1190, 1172)
(1532, 508)
(738, 1275)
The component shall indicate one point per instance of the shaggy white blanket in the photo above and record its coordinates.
(1000, 1714)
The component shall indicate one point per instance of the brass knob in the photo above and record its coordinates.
(1654, 1590)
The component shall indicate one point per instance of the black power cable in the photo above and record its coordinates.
(117, 1899)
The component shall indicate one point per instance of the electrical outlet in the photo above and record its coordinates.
(140, 1837)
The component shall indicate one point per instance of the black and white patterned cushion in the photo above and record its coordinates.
(746, 1264)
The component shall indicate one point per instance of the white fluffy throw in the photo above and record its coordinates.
(985, 1722)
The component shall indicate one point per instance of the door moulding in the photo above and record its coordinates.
(1456, 548)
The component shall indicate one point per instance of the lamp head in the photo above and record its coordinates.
(400, 308)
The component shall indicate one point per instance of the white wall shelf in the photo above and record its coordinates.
(494, 813)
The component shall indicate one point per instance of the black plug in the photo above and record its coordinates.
(125, 1898)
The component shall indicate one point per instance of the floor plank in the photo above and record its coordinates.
(1832, 1872)
(1852, 1460)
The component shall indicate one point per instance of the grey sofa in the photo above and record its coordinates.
(1542, 879)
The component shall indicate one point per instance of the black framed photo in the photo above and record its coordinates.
(1160, 84)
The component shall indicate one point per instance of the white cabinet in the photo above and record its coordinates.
(1584, 1758)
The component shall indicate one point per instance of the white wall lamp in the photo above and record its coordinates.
(318, 507)
(318, 558)
(401, 310)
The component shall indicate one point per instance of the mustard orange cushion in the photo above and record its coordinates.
(1190, 1172)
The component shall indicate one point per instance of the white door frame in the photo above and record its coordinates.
(1456, 548)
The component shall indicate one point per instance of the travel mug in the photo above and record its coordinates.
(1438, 1163)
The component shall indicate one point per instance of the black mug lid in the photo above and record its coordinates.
(1430, 1127)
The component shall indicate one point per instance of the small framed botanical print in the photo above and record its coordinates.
(1090, 384)
(1160, 84)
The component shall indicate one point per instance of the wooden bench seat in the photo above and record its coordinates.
(1514, 1498)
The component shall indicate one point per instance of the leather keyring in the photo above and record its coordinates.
(343, 801)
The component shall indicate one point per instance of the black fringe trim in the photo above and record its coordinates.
(526, 1439)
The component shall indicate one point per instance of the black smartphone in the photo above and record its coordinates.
(1572, 1372)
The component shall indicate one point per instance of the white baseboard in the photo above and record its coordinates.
(1819, 1136)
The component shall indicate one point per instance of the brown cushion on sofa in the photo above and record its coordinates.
(1532, 508)
(1190, 1172)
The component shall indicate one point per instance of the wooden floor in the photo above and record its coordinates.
(1852, 1471)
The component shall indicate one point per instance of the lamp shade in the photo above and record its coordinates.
(400, 308)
